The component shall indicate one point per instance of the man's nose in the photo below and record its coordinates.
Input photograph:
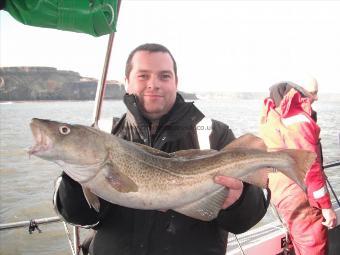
(153, 83)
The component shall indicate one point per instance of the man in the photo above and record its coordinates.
(288, 121)
(157, 116)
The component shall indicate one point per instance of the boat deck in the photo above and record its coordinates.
(270, 238)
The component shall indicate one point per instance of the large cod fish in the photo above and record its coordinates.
(138, 176)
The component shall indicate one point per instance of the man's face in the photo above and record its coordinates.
(152, 79)
(313, 96)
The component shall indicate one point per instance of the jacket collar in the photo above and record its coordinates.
(293, 101)
(178, 114)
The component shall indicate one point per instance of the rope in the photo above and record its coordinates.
(329, 165)
(239, 245)
(330, 186)
(68, 235)
(286, 249)
(332, 164)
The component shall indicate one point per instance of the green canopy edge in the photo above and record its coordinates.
(93, 17)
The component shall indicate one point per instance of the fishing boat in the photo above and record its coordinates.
(271, 238)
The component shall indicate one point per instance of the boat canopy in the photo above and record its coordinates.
(93, 17)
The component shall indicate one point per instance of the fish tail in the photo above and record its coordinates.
(303, 161)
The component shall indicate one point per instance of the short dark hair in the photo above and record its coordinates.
(150, 47)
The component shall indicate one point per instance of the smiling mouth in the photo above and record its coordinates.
(42, 141)
(153, 96)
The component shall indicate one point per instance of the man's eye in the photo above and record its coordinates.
(165, 76)
(142, 76)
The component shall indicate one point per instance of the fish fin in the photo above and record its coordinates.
(206, 208)
(186, 154)
(91, 199)
(118, 180)
(303, 162)
(154, 151)
(258, 177)
(193, 153)
(247, 141)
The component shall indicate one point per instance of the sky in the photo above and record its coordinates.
(218, 45)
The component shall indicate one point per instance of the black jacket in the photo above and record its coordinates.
(127, 231)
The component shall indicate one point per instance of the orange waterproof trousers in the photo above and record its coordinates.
(308, 235)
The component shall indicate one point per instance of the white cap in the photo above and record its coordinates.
(307, 84)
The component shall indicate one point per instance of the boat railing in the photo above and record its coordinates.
(31, 224)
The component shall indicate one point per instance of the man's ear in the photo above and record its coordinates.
(126, 84)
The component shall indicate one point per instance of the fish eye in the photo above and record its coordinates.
(65, 130)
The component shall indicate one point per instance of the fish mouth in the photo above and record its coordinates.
(42, 141)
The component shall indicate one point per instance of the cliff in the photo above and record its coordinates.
(48, 83)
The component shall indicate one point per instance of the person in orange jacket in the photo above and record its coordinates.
(289, 122)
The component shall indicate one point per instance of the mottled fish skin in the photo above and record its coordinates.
(142, 177)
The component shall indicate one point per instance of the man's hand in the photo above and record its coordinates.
(235, 189)
(330, 218)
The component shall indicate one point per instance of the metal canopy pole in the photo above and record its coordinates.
(101, 85)
(97, 111)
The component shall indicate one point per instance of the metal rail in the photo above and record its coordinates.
(28, 223)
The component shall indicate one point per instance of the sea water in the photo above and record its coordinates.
(27, 184)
